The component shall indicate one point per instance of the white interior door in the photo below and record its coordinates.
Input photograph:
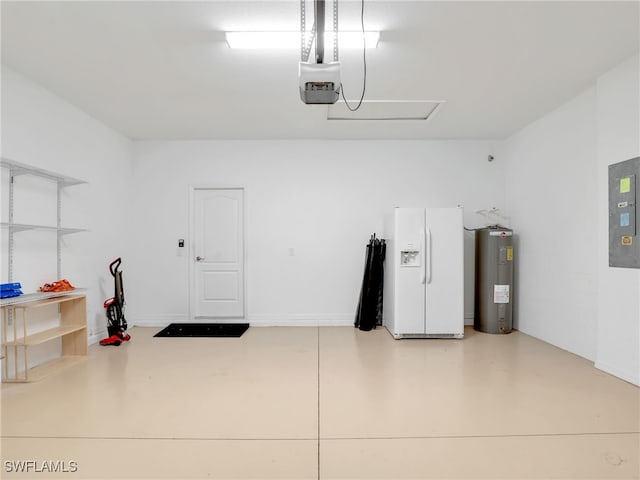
(218, 253)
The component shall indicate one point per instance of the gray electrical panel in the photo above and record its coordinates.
(624, 219)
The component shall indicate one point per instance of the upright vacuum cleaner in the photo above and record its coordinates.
(117, 324)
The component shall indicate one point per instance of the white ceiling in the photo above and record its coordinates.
(161, 70)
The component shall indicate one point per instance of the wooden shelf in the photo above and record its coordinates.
(32, 298)
(46, 335)
(72, 331)
(46, 369)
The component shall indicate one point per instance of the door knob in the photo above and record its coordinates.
(199, 258)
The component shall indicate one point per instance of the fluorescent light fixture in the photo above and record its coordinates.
(291, 40)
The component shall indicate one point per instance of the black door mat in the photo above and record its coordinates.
(203, 330)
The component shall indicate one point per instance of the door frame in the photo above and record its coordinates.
(192, 247)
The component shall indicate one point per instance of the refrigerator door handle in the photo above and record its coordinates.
(423, 270)
(428, 256)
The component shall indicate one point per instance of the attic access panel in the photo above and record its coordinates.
(385, 110)
(624, 216)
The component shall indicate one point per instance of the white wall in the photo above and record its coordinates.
(321, 198)
(550, 185)
(43, 130)
(618, 107)
(556, 192)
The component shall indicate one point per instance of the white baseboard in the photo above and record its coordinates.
(627, 376)
(260, 320)
(302, 320)
(256, 320)
(156, 320)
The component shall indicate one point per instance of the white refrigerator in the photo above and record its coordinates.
(424, 273)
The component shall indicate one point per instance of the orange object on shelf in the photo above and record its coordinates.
(59, 286)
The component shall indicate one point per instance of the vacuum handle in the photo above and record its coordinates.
(113, 266)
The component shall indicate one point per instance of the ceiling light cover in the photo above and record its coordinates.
(291, 40)
(386, 110)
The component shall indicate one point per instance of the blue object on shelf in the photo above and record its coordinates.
(10, 293)
(10, 286)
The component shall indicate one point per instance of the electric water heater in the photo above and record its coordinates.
(494, 280)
